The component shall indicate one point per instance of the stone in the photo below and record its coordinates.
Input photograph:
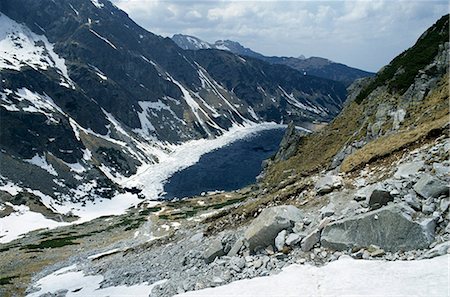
(443, 205)
(280, 240)
(439, 250)
(263, 230)
(328, 183)
(389, 227)
(237, 263)
(214, 250)
(327, 211)
(289, 143)
(236, 247)
(431, 187)
(441, 169)
(310, 240)
(379, 198)
(407, 170)
(411, 200)
(364, 194)
(428, 208)
(258, 263)
(293, 239)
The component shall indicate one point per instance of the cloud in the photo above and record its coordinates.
(364, 34)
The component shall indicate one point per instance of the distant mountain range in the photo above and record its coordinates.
(315, 66)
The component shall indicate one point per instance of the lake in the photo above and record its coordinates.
(228, 168)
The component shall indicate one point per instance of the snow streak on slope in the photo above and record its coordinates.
(345, 277)
(20, 47)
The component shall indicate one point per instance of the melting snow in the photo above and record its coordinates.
(79, 284)
(19, 46)
(23, 221)
(345, 277)
(40, 161)
(96, 256)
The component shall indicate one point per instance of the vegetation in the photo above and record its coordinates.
(400, 73)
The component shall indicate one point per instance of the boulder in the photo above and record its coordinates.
(310, 240)
(364, 193)
(328, 183)
(391, 228)
(293, 239)
(407, 170)
(263, 230)
(213, 251)
(236, 247)
(379, 198)
(429, 186)
(439, 250)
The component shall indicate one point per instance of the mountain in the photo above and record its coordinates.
(314, 66)
(88, 96)
(404, 105)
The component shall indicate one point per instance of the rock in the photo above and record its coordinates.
(310, 240)
(328, 183)
(364, 194)
(407, 170)
(237, 263)
(236, 247)
(293, 239)
(263, 230)
(213, 251)
(375, 251)
(443, 205)
(412, 201)
(428, 208)
(441, 169)
(280, 240)
(439, 250)
(431, 187)
(379, 198)
(327, 211)
(390, 228)
(258, 263)
(289, 143)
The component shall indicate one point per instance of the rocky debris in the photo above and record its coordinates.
(411, 200)
(379, 198)
(263, 230)
(213, 251)
(364, 193)
(439, 250)
(431, 187)
(390, 228)
(327, 211)
(328, 183)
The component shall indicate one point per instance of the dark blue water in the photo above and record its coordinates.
(228, 168)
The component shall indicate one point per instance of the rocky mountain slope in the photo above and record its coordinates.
(379, 192)
(88, 96)
(314, 66)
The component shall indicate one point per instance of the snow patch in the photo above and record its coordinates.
(345, 277)
(19, 47)
(41, 162)
(78, 284)
(97, 4)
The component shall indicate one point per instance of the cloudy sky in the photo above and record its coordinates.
(363, 34)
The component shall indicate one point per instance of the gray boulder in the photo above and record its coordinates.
(406, 170)
(310, 240)
(429, 186)
(379, 198)
(328, 183)
(280, 240)
(391, 228)
(263, 230)
(293, 239)
(213, 251)
(439, 250)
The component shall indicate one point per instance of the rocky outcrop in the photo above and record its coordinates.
(289, 143)
(390, 228)
(265, 228)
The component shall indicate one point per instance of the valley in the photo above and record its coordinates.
(133, 165)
